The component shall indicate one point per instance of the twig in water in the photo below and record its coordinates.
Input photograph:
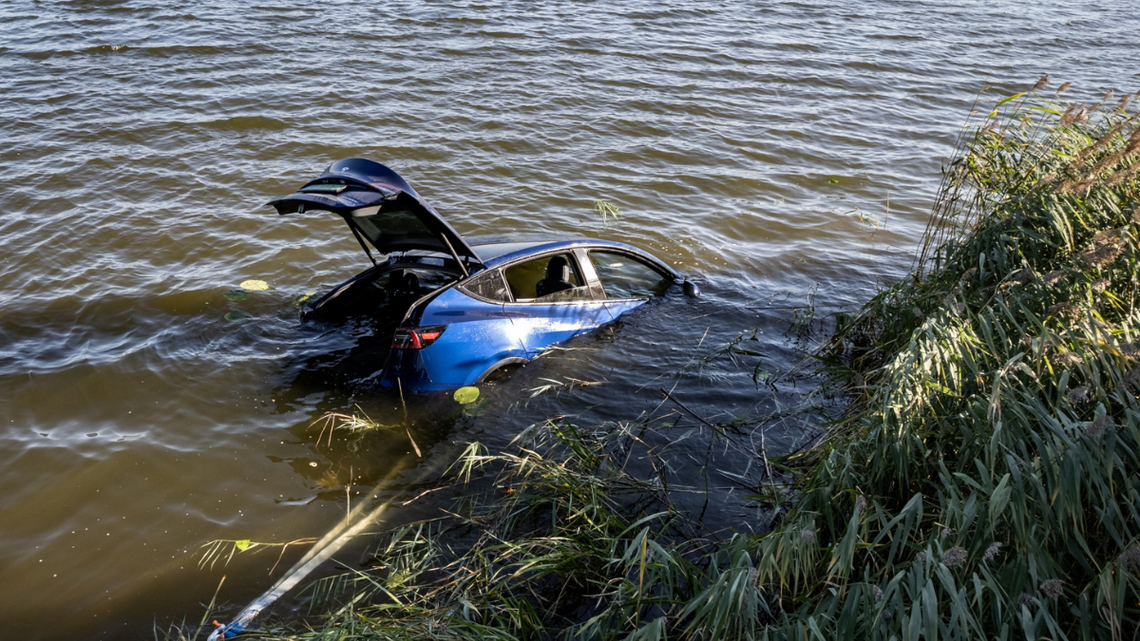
(682, 406)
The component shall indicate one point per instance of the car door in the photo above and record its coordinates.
(627, 280)
(548, 308)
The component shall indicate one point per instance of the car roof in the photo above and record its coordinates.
(495, 251)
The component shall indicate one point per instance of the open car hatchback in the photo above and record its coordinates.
(459, 312)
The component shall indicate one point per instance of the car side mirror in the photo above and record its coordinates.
(691, 289)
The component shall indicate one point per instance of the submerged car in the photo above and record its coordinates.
(463, 311)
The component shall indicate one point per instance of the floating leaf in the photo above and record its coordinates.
(605, 209)
(300, 299)
(254, 285)
(242, 545)
(236, 294)
(235, 317)
(833, 180)
(466, 395)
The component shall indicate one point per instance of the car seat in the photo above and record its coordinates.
(557, 277)
(404, 284)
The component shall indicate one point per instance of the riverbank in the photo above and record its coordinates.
(982, 482)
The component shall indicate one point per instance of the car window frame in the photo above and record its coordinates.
(462, 286)
(631, 255)
(583, 269)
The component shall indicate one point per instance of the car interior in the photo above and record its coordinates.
(547, 279)
(383, 292)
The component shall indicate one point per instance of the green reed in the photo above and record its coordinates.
(985, 482)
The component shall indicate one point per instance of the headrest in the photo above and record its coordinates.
(558, 269)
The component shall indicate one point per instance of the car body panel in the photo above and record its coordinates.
(479, 335)
(541, 325)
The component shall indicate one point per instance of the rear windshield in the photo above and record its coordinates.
(390, 224)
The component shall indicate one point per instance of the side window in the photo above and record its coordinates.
(624, 276)
(490, 286)
(547, 279)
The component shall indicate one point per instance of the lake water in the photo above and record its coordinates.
(782, 154)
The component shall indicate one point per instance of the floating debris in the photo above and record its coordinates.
(254, 285)
(466, 395)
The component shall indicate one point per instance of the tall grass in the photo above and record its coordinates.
(984, 481)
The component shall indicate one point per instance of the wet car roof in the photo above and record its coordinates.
(496, 253)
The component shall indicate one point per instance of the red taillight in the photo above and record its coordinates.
(416, 338)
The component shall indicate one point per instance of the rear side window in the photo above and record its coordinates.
(489, 286)
(624, 276)
(547, 279)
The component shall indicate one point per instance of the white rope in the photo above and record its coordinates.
(325, 548)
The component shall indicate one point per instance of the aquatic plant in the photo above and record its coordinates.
(605, 209)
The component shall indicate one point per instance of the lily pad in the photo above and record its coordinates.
(300, 299)
(235, 317)
(254, 285)
(466, 395)
(236, 294)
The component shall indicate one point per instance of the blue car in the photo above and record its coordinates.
(462, 311)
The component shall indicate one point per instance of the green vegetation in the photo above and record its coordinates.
(605, 209)
(984, 481)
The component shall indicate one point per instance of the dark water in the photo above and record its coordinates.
(755, 145)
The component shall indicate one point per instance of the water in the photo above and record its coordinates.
(754, 145)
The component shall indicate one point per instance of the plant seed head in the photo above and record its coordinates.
(1078, 395)
(1067, 358)
(1053, 277)
(1132, 378)
(1053, 588)
(1106, 236)
(1097, 426)
(954, 557)
(1064, 310)
(992, 551)
(1130, 558)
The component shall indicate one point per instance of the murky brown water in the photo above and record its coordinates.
(753, 144)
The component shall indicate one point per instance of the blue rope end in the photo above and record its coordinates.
(226, 631)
